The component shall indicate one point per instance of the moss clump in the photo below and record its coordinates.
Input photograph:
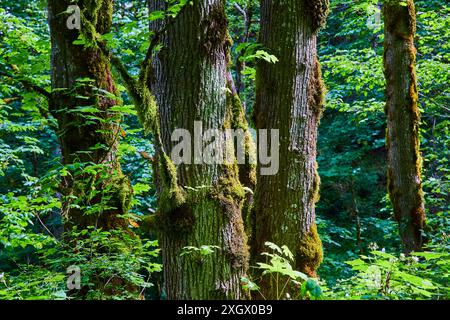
(172, 195)
(149, 224)
(227, 45)
(412, 23)
(122, 187)
(316, 186)
(178, 222)
(309, 254)
(317, 90)
(318, 10)
(104, 21)
(238, 251)
(175, 213)
(229, 186)
(110, 197)
(238, 120)
(96, 18)
(145, 101)
(148, 112)
(230, 195)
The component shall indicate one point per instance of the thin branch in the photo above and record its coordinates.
(131, 83)
(29, 85)
(433, 100)
(43, 224)
(241, 10)
(33, 87)
(11, 100)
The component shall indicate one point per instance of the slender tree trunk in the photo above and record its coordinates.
(89, 137)
(247, 14)
(290, 97)
(200, 204)
(403, 118)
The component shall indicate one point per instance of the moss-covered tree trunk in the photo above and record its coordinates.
(403, 118)
(290, 97)
(88, 130)
(199, 204)
(247, 170)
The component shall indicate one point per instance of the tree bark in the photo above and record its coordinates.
(290, 97)
(403, 119)
(87, 138)
(199, 204)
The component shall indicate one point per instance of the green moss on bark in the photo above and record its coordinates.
(317, 89)
(309, 254)
(405, 161)
(247, 171)
(172, 195)
(316, 185)
(121, 187)
(148, 112)
(149, 224)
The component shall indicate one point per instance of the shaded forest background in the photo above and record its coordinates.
(354, 214)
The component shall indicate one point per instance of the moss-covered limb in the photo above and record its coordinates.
(29, 85)
(130, 82)
(32, 87)
(140, 89)
(173, 213)
(232, 198)
(403, 121)
(96, 20)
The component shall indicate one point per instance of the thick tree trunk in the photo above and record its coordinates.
(87, 137)
(290, 97)
(403, 118)
(200, 204)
